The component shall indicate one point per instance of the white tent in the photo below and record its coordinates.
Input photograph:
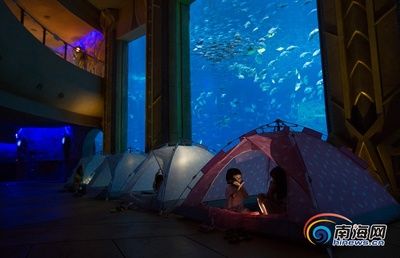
(89, 165)
(125, 169)
(178, 165)
(101, 177)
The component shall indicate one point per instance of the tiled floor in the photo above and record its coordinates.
(39, 220)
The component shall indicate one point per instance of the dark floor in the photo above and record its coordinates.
(39, 220)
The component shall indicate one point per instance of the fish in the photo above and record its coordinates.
(307, 64)
(264, 86)
(313, 33)
(307, 90)
(251, 51)
(234, 103)
(273, 91)
(289, 48)
(312, 11)
(255, 29)
(280, 49)
(247, 24)
(304, 54)
(262, 74)
(282, 5)
(272, 31)
(297, 86)
(316, 52)
(320, 73)
(240, 76)
(284, 53)
(261, 50)
(298, 74)
(264, 18)
(223, 95)
(272, 62)
(319, 82)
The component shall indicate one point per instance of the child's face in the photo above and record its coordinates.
(238, 178)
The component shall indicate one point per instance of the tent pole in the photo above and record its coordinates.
(162, 192)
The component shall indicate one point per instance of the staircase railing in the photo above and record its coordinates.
(73, 54)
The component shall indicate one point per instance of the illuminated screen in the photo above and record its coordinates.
(136, 93)
(43, 143)
(252, 62)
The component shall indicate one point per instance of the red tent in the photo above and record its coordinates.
(320, 178)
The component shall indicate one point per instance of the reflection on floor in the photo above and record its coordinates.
(39, 220)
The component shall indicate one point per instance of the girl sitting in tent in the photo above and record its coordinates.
(235, 192)
(275, 199)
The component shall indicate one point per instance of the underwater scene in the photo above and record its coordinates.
(252, 62)
(136, 94)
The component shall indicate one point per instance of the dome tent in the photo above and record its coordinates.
(89, 165)
(101, 176)
(320, 179)
(99, 180)
(124, 169)
(107, 180)
(178, 165)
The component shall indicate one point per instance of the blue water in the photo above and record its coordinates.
(252, 62)
(136, 94)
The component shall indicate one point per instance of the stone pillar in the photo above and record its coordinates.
(360, 48)
(121, 96)
(180, 126)
(157, 92)
(108, 24)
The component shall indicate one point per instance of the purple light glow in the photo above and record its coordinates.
(92, 43)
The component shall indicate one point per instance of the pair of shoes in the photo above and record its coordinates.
(118, 209)
(206, 228)
(243, 235)
(232, 236)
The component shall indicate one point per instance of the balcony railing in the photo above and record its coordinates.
(73, 54)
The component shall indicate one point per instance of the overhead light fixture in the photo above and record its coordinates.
(19, 142)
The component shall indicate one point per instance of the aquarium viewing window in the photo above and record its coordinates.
(253, 62)
(136, 94)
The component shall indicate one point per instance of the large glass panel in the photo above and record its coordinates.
(136, 93)
(252, 62)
